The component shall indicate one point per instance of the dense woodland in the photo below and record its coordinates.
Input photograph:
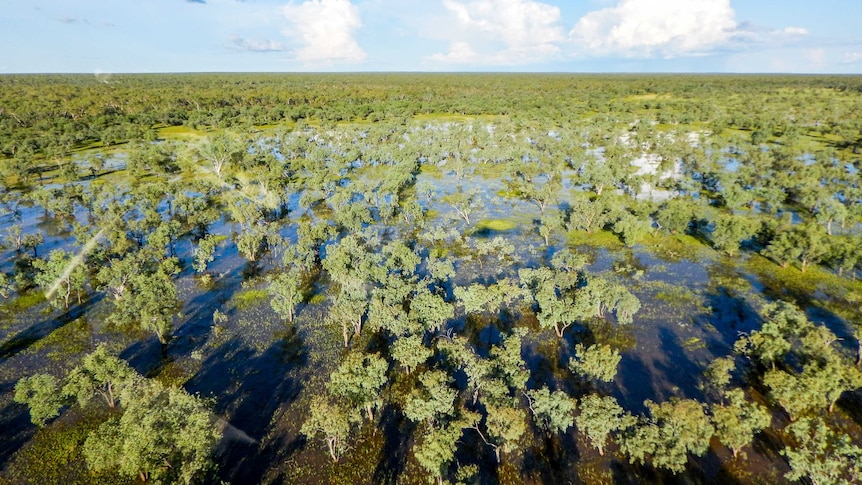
(430, 278)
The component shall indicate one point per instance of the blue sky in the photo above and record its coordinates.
(108, 36)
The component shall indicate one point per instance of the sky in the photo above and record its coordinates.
(121, 36)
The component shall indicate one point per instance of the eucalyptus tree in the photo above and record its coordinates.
(433, 402)
(822, 455)
(599, 417)
(359, 380)
(730, 231)
(285, 292)
(597, 362)
(553, 412)
(332, 422)
(552, 290)
(465, 204)
(219, 152)
(673, 430)
(737, 420)
(61, 276)
(164, 434)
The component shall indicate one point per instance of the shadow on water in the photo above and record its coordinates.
(248, 389)
(398, 433)
(730, 317)
(17, 429)
(36, 332)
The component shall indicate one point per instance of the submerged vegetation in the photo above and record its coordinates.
(430, 278)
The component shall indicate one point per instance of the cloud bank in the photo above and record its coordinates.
(324, 31)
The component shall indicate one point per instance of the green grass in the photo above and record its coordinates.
(181, 131)
(248, 299)
(597, 239)
(675, 247)
(495, 225)
(23, 302)
(843, 296)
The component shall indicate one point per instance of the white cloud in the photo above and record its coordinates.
(815, 57)
(852, 57)
(648, 28)
(324, 29)
(264, 45)
(501, 31)
(795, 31)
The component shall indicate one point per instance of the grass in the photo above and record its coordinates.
(675, 247)
(72, 338)
(495, 225)
(23, 302)
(54, 455)
(843, 296)
(181, 131)
(597, 239)
(245, 300)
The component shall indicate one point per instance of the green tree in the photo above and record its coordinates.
(204, 253)
(739, 420)
(359, 380)
(730, 231)
(434, 401)
(61, 276)
(164, 434)
(597, 362)
(436, 451)
(822, 456)
(505, 426)
(332, 422)
(552, 411)
(410, 352)
(599, 417)
(285, 293)
(41, 393)
(100, 373)
(674, 429)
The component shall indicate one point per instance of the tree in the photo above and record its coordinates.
(410, 352)
(551, 290)
(204, 253)
(739, 420)
(437, 449)
(164, 434)
(718, 374)
(631, 228)
(331, 421)
(505, 425)
(150, 300)
(41, 393)
(434, 401)
(463, 203)
(285, 292)
(100, 373)
(60, 276)
(552, 411)
(595, 362)
(822, 455)
(675, 429)
(220, 151)
(601, 416)
(359, 380)
(730, 231)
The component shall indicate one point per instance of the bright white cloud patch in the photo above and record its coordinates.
(324, 29)
(501, 31)
(648, 28)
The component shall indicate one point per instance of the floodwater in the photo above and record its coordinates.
(259, 371)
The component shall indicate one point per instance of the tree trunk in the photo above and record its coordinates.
(330, 443)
